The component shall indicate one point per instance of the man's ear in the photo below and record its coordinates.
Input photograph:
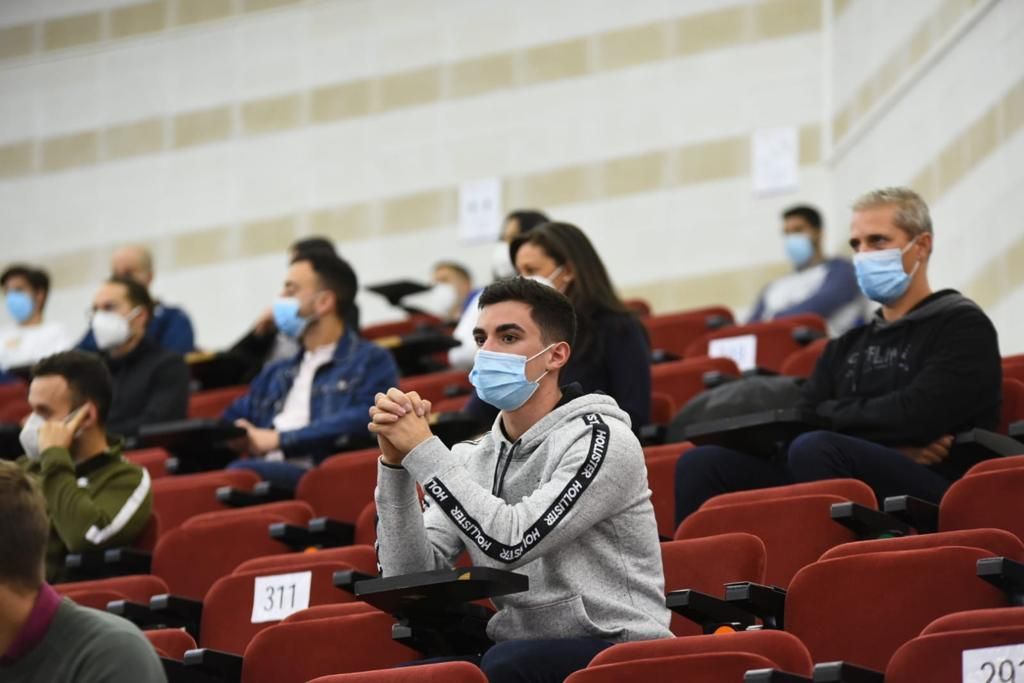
(324, 301)
(560, 354)
(925, 241)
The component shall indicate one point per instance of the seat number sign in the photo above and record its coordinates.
(742, 349)
(1002, 664)
(276, 597)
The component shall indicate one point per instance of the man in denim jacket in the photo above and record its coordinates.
(297, 409)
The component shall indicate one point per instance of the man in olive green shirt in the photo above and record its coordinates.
(44, 637)
(94, 498)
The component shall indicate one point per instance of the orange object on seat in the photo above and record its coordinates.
(707, 564)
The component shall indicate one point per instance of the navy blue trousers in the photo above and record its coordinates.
(707, 471)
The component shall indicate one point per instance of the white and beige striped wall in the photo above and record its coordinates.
(217, 131)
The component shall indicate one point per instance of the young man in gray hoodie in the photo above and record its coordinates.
(557, 490)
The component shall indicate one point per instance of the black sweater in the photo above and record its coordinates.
(150, 385)
(933, 372)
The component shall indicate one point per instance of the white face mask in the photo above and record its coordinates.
(111, 329)
(501, 265)
(29, 436)
(548, 280)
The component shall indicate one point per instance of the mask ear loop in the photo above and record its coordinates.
(539, 353)
(917, 264)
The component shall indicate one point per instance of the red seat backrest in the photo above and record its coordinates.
(801, 363)
(775, 341)
(137, 587)
(994, 541)
(212, 403)
(851, 489)
(192, 557)
(177, 498)
(96, 599)
(938, 658)
(661, 479)
(342, 485)
(638, 307)
(442, 672)
(336, 609)
(781, 647)
(13, 402)
(154, 460)
(1012, 407)
(996, 465)
(366, 526)
(997, 617)
(228, 605)
(673, 332)
(862, 608)
(707, 564)
(990, 499)
(1014, 371)
(682, 380)
(400, 327)
(170, 642)
(711, 666)
(294, 512)
(432, 386)
(663, 408)
(298, 651)
(362, 558)
(795, 531)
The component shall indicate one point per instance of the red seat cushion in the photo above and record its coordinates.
(703, 668)
(937, 658)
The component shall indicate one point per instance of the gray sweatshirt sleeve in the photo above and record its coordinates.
(600, 472)
(408, 539)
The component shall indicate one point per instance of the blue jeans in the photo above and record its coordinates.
(707, 471)
(281, 474)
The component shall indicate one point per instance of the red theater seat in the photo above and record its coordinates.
(170, 643)
(177, 498)
(342, 485)
(137, 588)
(776, 340)
(212, 403)
(362, 558)
(445, 672)
(801, 363)
(154, 460)
(711, 667)
(673, 332)
(938, 657)
(682, 380)
(436, 386)
(661, 468)
(989, 499)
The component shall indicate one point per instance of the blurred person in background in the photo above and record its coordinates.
(169, 326)
(26, 290)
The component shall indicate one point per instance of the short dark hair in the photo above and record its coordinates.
(550, 309)
(25, 531)
(87, 376)
(37, 278)
(809, 214)
(335, 275)
(527, 219)
(460, 269)
(309, 245)
(136, 292)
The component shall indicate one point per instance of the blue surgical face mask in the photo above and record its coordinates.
(500, 378)
(287, 318)
(799, 249)
(20, 305)
(880, 273)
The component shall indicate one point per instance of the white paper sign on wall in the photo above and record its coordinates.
(1001, 664)
(741, 349)
(279, 596)
(775, 160)
(480, 210)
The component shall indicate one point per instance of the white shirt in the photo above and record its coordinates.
(461, 357)
(25, 345)
(295, 412)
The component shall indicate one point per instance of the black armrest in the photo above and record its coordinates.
(868, 523)
(918, 513)
(653, 435)
(345, 579)
(766, 602)
(708, 611)
(1017, 430)
(110, 562)
(663, 356)
(262, 492)
(1006, 575)
(844, 672)
(805, 335)
(177, 612)
(322, 532)
(982, 444)
(716, 378)
(135, 612)
(773, 676)
(223, 666)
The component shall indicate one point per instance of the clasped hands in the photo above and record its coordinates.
(401, 422)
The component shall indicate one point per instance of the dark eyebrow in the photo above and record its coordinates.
(509, 327)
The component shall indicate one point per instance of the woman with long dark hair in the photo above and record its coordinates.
(612, 352)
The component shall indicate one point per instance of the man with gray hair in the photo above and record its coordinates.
(893, 392)
(170, 327)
